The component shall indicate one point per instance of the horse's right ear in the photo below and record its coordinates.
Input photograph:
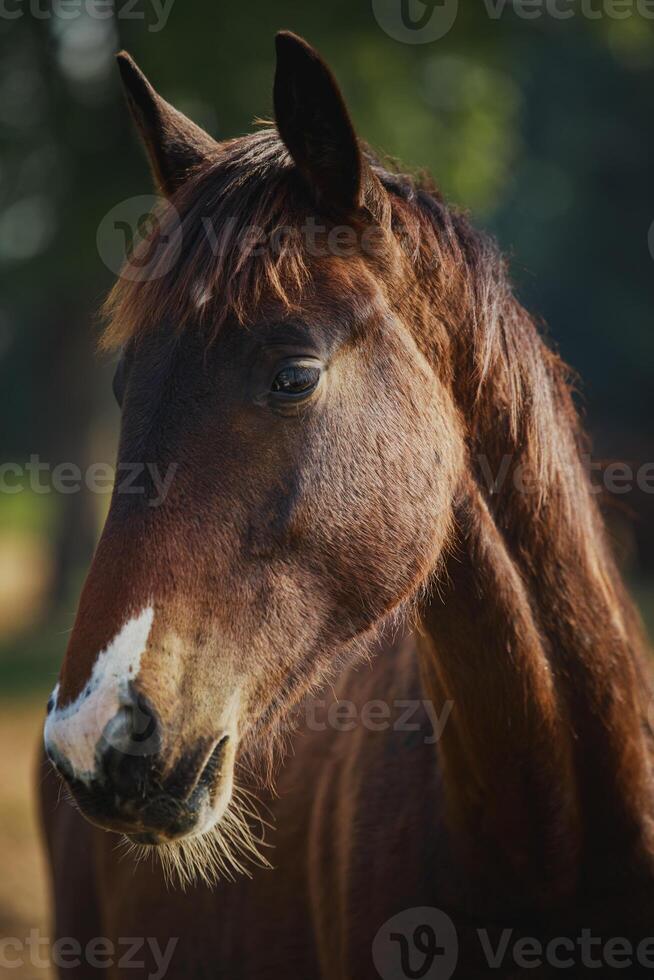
(315, 126)
(175, 145)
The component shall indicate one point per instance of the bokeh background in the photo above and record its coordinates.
(541, 127)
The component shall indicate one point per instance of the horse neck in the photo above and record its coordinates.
(528, 631)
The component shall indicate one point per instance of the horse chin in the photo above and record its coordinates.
(204, 821)
(227, 839)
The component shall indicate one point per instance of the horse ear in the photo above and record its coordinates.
(314, 124)
(175, 145)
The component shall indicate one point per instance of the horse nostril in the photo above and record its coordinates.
(134, 729)
(142, 724)
(129, 746)
(196, 772)
(213, 765)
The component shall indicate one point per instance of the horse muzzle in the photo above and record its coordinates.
(132, 789)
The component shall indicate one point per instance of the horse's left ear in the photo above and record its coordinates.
(175, 145)
(315, 125)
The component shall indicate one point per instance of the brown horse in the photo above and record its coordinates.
(333, 363)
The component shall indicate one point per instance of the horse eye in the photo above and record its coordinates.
(295, 379)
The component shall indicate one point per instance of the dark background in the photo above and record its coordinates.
(541, 127)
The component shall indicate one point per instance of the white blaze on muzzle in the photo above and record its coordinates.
(73, 732)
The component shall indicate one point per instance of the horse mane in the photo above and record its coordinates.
(513, 390)
(249, 185)
(250, 188)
